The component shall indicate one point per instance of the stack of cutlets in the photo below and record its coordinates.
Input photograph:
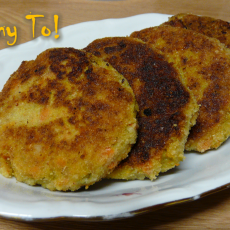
(205, 62)
(122, 108)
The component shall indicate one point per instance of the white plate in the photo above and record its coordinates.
(198, 175)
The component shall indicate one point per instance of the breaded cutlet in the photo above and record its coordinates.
(205, 64)
(66, 120)
(167, 108)
(208, 26)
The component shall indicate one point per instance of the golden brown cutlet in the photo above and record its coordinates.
(208, 26)
(66, 120)
(167, 109)
(205, 63)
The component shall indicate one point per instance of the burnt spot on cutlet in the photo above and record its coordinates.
(90, 75)
(115, 48)
(59, 55)
(38, 95)
(176, 23)
(92, 114)
(122, 44)
(40, 70)
(97, 53)
(44, 134)
(32, 135)
(25, 76)
(184, 60)
(148, 112)
(98, 106)
(62, 58)
(72, 120)
(160, 95)
(59, 74)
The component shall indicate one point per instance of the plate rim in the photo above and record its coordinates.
(120, 216)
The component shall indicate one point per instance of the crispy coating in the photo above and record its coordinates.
(210, 27)
(166, 106)
(66, 120)
(205, 63)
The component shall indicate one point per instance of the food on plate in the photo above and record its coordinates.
(205, 64)
(71, 117)
(208, 26)
(66, 120)
(167, 108)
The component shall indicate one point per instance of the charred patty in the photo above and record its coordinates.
(210, 27)
(66, 120)
(167, 108)
(205, 64)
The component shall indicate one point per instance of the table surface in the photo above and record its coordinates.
(212, 211)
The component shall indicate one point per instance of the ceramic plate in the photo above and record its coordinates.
(198, 175)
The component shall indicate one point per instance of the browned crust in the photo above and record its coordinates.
(160, 95)
(206, 66)
(208, 26)
(73, 110)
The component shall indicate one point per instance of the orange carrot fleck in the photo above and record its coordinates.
(109, 151)
(44, 114)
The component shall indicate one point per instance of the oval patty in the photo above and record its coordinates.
(166, 106)
(66, 120)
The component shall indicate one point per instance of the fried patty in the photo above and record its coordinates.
(66, 120)
(210, 27)
(205, 63)
(167, 108)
